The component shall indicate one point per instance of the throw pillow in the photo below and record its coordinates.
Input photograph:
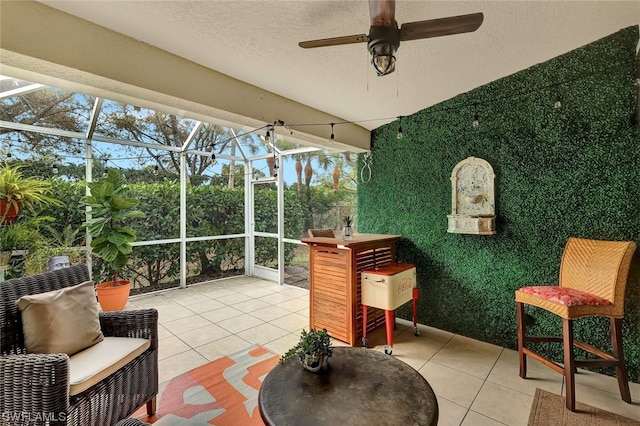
(61, 321)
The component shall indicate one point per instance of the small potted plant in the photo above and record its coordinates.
(312, 349)
(347, 232)
(110, 210)
(17, 191)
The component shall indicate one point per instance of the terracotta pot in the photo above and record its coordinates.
(113, 298)
(11, 214)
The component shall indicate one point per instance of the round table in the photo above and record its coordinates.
(357, 386)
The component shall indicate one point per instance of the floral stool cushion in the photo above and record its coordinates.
(565, 295)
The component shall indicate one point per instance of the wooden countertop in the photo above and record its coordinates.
(355, 241)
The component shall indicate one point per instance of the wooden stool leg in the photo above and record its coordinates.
(618, 353)
(569, 364)
(521, 338)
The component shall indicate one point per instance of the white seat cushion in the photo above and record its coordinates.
(93, 364)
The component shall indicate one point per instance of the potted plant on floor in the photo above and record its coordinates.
(17, 191)
(110, 211)
(313, 349)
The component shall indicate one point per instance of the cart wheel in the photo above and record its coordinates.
(416, 332)
(388, 350)
(365, 342)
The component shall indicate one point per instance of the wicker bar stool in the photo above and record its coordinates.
(593, 279)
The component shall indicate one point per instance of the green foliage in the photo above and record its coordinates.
(111, 211)
(314, 342)
(564, 172)
(21, 191)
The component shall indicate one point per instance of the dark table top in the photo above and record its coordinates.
(357, 386)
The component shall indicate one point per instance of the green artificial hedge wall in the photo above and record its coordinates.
(571, 171)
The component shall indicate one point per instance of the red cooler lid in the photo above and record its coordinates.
(391, 269)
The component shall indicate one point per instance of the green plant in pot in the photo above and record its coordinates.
(111, 209)
(21, 236)
(17, 192)
(313, 349)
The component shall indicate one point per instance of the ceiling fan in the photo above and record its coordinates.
(384, 35)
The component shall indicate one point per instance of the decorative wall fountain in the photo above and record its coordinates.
(472, 198)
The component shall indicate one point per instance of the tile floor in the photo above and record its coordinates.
(476, 383)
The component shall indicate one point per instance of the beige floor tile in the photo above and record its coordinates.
(452, 384)
(203, 335)
(262, 334)
(171, 346)
(450, 413)
(283, 344)
(222, 347)
(276, 298)
(503, 404)
(205, 306)
(507, 374)
(171, 312)
(476, 419)
(178, 364)
(240, 323)
(186, 296)
(607, 401)
(151, 300)
(163, 333)
(291, 322)
(425, 345)
(605, 383)
(412, 360)
(294, 291)
(233, 299)
(294, 305)
(511, 356)
(182, 325)
(217, 292)
(253, 290)
(270, 313)
(251, 305)
(468, 355)
(235, 281)
(221, 314)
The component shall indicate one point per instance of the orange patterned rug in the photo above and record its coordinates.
(221, 392)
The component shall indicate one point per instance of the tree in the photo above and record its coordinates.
(142, 125)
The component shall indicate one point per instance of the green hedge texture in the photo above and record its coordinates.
(572, 171)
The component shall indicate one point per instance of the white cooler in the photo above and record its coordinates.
(388, 288)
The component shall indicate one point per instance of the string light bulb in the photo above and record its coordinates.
(267, 137)
(400, 135)
(332, 135)
(54, 169)
(476, 120)
(9, 151)
(155, 169)
(558, 102)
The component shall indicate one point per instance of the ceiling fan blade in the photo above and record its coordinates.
(441, 27)
(382, 12)
(334, 41)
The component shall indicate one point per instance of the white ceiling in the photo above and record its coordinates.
(257, 42)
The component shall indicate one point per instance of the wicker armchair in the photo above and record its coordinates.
(593, 278)
(35, 387)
